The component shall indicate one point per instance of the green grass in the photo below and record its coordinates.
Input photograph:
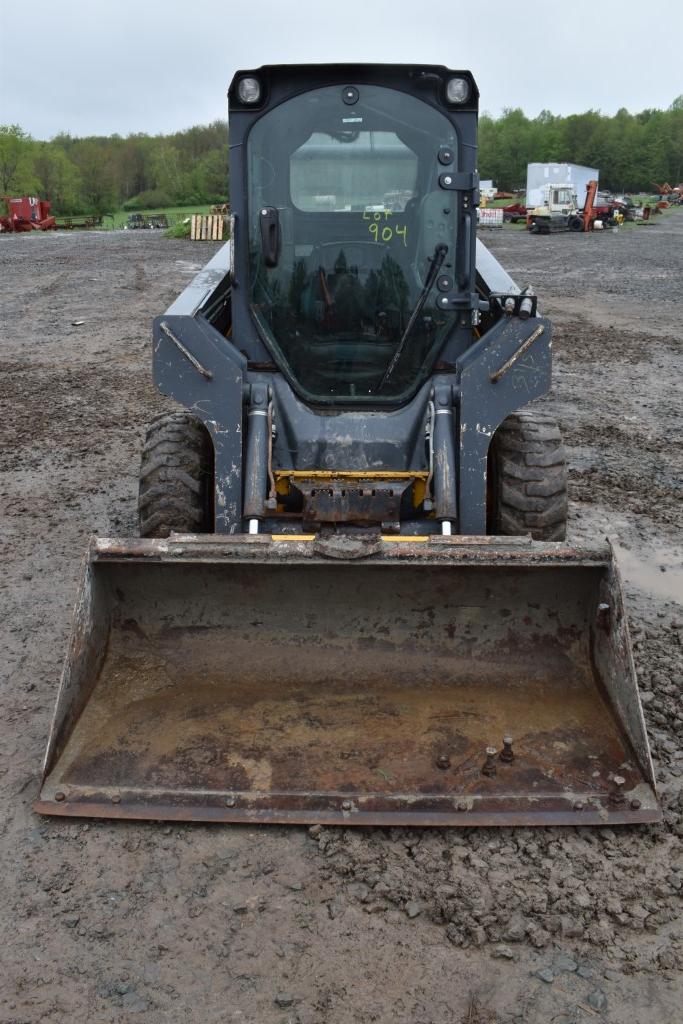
(174, 214)
(179, 230)
(494, 203)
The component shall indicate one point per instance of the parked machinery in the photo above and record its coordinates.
(336, 611)
(561, 212)
(26, 213)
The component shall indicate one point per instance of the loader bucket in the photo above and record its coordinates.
(259, 679)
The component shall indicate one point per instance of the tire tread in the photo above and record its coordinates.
(529, 477)
(176, 476)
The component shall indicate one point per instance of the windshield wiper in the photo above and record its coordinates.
(437, 260)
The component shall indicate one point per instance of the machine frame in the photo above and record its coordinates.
(209, 357)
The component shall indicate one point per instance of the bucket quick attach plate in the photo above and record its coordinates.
(353, 501)
(246, 679)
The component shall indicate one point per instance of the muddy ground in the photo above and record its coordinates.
(110, 922)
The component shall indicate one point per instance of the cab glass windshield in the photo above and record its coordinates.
(349, 231)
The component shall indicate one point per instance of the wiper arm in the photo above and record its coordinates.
(437, 260)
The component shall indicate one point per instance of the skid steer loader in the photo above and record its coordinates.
(351, 601)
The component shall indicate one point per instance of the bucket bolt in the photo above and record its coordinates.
(506, 755)
(616, 797)
(489, 766)
(443, 762)
(603, 616)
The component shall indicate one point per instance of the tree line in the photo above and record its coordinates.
(100, 174)
(631, 151)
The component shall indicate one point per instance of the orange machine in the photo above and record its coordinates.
(589, 211)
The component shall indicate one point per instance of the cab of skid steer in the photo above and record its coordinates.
(354, 196)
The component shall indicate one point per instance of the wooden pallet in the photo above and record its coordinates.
(207, 227)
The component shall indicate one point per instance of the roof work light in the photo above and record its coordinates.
(457, 90)
(249, 90)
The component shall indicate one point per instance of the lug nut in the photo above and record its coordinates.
(229, 801)
(506, 754)
(116, 799)
(347, 805)
(489, 766)
(578, 805)
(462, 805)
(443, 762)
(635, 804)
(59, 796)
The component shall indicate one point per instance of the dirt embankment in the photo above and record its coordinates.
(147, 922)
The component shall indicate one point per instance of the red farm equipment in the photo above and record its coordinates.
(26, 213)
(514, 212)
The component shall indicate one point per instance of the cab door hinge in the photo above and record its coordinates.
(460, 181)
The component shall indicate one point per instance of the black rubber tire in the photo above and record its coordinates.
(528, 478)
(176, 477)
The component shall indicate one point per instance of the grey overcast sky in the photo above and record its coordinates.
(147, 66)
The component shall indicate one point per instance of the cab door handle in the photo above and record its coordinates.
(269, 222)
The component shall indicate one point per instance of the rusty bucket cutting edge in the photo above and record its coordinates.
(451, 681)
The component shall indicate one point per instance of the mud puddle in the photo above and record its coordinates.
(659, 571)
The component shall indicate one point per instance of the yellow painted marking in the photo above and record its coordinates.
(348, 474)
(284, 476)
(419, 539)
(292, 536)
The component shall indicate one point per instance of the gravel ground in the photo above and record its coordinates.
(112, 922)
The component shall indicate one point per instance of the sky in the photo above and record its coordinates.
(119, 66)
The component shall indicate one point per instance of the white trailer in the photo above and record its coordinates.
(487, 189)
(539, 176)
